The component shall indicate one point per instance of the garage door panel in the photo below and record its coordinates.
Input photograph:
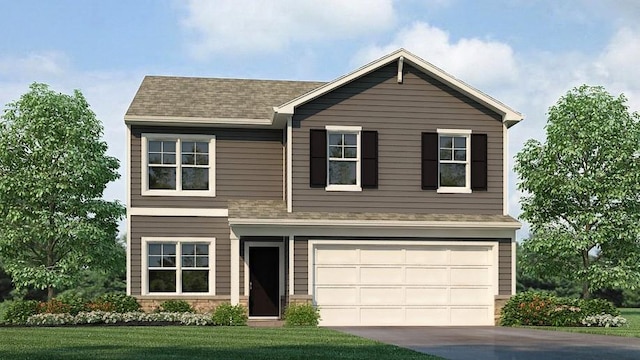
(470, 276)
(381, 316)
(337, 255)
(339, 316)
(427, 315)
(381, 295)
(381, 275)
(427, 276)
(337, 295)
(471, 316)
(427, 255)
(381, 255)
(470, 296)
(336, 275)
(477, 255)
(427, 296)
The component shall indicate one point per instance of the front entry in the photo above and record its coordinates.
(264, 281)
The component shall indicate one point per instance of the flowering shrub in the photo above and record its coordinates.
(103, 317)
(604, 320)
(537, 308)
(53, 306)
(50, 319)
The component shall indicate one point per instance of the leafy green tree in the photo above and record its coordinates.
(582, 192)
(53, 171)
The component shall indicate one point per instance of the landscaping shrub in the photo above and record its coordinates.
(176, 306)
(115, 302)
(226, 314)
(17, 312)
(53, 306)
(102, 317)
(301, 315)
(538, 308)
(604, 320)
(75, 303)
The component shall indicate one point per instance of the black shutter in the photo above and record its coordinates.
(479, 162)
(429, 161)
(369, 153)
(317, 158)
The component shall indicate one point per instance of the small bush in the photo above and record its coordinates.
(53, 306)
(17, 312)
(75, 303)
(301, 315)
(604, 320)
(115, 302)
(598, 306)
(226, 314)
(102, 317)
(176, 306)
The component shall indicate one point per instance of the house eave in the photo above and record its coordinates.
(375, 224)
(202, 121)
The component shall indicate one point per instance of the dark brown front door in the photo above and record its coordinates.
(263, 281)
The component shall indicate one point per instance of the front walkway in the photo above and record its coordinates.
(483, 343)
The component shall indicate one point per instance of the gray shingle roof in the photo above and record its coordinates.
(170, 96)
(275, 209)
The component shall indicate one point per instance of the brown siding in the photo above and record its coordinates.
(248, 163)
(300, 265)
(179, 227)
(504, 265)
(399, 112)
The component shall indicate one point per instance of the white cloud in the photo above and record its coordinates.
(269, 26)
(51, 63)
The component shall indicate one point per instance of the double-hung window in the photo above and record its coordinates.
(343, 165)
(179, 266)
(454, 173)
(178, 165)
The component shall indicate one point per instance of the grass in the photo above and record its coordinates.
(631, 330)
(185, 342)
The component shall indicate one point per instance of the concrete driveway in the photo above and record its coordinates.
(482, 343)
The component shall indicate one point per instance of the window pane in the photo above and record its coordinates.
(155, 249)
(445, 142)
(169, 159)
(162, 280)
(169, 146)
(155, 261)
(169, 249)
(452, 175)
(188, 261)
(335, 151)
(445, 154)
(188, 249)
(202, 261)
(460, 155)
(168, 261)
(188, 159)
(350, 139)
(350, 152)
(162, 178)
(195, 281)
(335, 139)
(155, 146)
(202, 148)
(342, 172)
(460, 142)
(202, 249)
(195, 179)
(155, 158)
(188, 147)
(202, 159)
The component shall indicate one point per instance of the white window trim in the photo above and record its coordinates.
(145, 138)
(453, 189)
(345, 130)
(177, 240)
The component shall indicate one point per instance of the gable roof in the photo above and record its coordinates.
(192, 99)
(509, 116)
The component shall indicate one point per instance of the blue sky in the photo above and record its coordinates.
(525, 53)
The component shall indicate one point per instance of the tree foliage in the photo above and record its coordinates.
(53, 171)
(582, 191)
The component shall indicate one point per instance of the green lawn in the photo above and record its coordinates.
(182, 342)
(632, 330)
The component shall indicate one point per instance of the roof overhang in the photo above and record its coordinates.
(198, 121)
(510, 117)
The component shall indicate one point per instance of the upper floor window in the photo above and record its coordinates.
(178, 165)
(343, 165)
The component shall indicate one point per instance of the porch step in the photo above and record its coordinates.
(265, 323)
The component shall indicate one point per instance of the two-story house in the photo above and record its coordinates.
(380, 197)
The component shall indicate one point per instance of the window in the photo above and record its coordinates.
(453, 159)
(178, 165)
(179, 266)
(343, 158)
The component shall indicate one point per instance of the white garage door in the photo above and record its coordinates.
(408, 284)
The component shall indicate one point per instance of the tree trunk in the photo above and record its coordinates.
(586, 291)
(50, 292)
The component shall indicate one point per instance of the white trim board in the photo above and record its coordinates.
(143, 211)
